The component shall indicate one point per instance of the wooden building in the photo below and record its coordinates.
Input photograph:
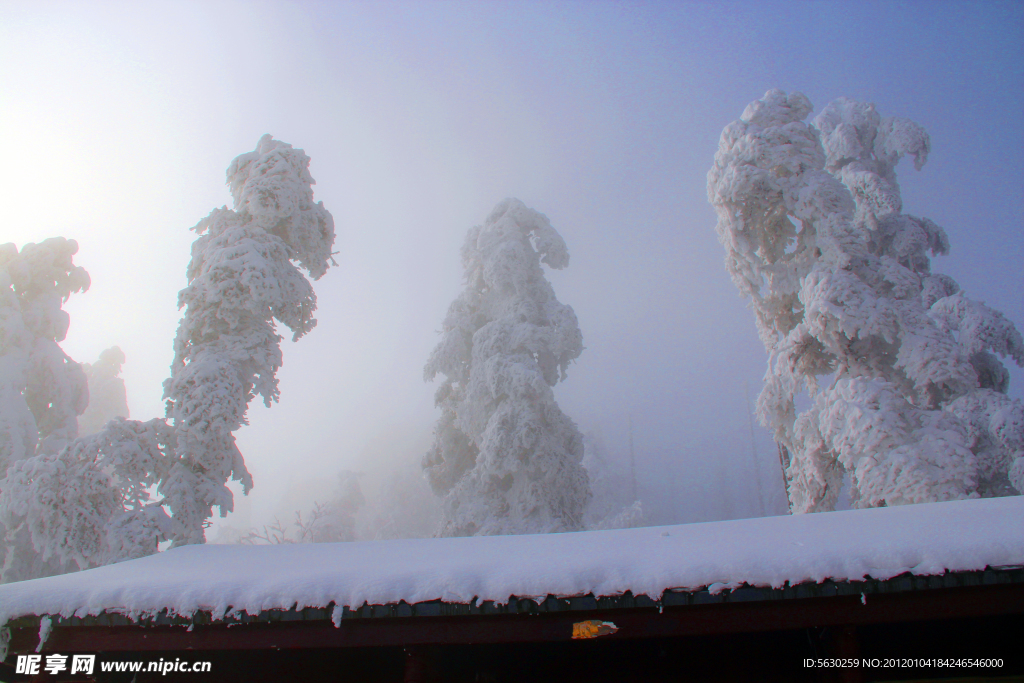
(941, 618)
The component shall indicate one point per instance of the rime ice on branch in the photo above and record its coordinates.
(907, 392)
(505, 457)
(227, 351)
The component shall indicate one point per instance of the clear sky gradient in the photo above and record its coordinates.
(119, 119)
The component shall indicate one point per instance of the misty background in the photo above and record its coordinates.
(120, 119)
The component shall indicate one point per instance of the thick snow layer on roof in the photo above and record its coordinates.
(879, 543)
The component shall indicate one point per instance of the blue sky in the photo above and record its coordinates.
(120, 118)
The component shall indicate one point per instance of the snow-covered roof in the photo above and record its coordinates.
(773, 551)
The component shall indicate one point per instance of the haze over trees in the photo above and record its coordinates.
(614, 503)
(108, 397)
(906, 389)
(87, 500)
(882, 375)
(505, 458)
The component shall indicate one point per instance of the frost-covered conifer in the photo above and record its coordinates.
(85, 502)
(907, 394)
(66, 502)
(42, 391)
(505, 457)
(227, 351)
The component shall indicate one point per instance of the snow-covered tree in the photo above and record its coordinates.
(227, 351)
(107, 395)
(86, 501)
(906, 392)
(42, 391)
(506, 459)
